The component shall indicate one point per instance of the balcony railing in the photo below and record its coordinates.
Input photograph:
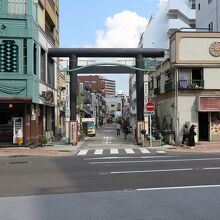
(169, 86)
(191, 84)
(157, 91)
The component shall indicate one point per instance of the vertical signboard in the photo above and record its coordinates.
(140, 126)
(74, 132)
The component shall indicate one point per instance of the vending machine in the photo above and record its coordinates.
(17, 126)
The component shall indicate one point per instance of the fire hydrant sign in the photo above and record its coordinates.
(74, 132)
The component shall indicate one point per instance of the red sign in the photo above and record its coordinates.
(209, 104)
(150, 106)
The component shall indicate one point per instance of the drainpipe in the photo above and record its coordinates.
(176, 105)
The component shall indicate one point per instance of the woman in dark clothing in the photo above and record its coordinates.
(192, 133)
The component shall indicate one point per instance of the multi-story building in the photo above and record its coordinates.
(170, 17)
(185, 87)
(208, 15)
(96, 82)
(110, 86)
(27, 75)
(51, 81)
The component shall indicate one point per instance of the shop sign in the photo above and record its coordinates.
(209, 103)
(74, 132)
(140, 126)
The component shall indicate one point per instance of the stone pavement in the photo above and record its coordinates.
(201, 147)
(56, 149)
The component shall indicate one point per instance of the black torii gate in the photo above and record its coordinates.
(138, 53)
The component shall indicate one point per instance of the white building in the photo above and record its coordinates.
(171, 16)
(208, 14)
(114, 106)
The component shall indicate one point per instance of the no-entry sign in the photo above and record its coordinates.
(150, 106)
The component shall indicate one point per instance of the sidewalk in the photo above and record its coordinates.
(201, 147)
(60, 149)
(55, 149)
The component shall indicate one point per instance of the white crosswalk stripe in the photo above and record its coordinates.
(99, 151)
(161, 152)
(129, 151)
(114, 151)
(145, 151)
(82, 152)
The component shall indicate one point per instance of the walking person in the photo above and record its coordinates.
(126, 128)
(118, 127)
(185, 134)
(192, 133)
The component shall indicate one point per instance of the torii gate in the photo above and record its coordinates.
(138, 53)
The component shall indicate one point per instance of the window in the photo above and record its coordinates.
(158, 82)
(211, 26)
(17, 7)
(8, 56)
(199, 6)
(43, 65)
(35, 58)
(209, 1)
(93, 81)
(50, 72)
(193, 4)
(112, 105)
(151, 83)
(25, 56)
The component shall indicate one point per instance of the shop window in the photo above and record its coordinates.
(8, 56)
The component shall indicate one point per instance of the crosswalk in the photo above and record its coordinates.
(117, 151)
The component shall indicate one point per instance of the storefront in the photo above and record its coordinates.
(209, 118)
(20, 114)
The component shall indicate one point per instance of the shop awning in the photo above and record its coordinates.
(27, 100)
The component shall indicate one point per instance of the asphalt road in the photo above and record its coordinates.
(170, 186)
(32, 176)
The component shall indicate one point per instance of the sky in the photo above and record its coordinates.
(105, 24)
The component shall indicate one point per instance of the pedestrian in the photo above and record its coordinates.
(185, 134)
(192, 133)
(126, 128)
(118, 127)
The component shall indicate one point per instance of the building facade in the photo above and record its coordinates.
(185, 87)
(110, 87)
(27, 82)
(171, 16)
(207, 15)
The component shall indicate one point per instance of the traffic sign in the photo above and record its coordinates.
(149, 113)
(150, 106)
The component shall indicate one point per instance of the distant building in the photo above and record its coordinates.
(208, 14)
(110, 86)
(96, 82)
